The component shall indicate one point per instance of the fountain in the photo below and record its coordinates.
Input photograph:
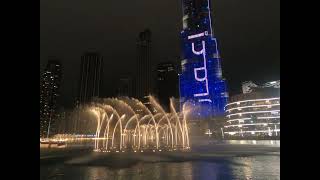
(126, 124)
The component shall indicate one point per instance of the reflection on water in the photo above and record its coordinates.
(260, 167)
(257, 167)
(260, 142)
(247, 171)
(246, 165)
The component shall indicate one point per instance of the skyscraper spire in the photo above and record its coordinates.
(197, 16)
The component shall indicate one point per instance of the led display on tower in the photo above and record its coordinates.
(201, 81)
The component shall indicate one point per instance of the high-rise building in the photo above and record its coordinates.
(201, 81)
(90, 77)
(144, 69)
(167, 83)
(49, 93)
(125, 87)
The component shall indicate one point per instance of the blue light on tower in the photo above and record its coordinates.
(201, 81)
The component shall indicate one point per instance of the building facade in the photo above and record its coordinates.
(254, 114)
(49, 92)
(144, 68)
(201, 81)
(90, 77)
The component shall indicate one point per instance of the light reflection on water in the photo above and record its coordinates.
(254, 142)
(260, 167)
(257, 167)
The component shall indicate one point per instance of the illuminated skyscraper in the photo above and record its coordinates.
(201, 81)
(49, 93)
(144, 77)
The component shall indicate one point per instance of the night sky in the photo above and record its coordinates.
(248, 33)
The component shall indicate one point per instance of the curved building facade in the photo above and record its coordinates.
(254, 114)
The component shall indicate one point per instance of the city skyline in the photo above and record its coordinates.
(159, 89)
(248, 46)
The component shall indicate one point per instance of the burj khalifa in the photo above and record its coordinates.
(201, 81)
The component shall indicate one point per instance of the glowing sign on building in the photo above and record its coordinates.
(204, 69)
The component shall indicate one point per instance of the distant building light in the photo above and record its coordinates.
(256, 112)
(254, 105)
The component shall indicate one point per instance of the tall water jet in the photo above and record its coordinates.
(138, 129)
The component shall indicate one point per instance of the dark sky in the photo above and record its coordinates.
(248, 33)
